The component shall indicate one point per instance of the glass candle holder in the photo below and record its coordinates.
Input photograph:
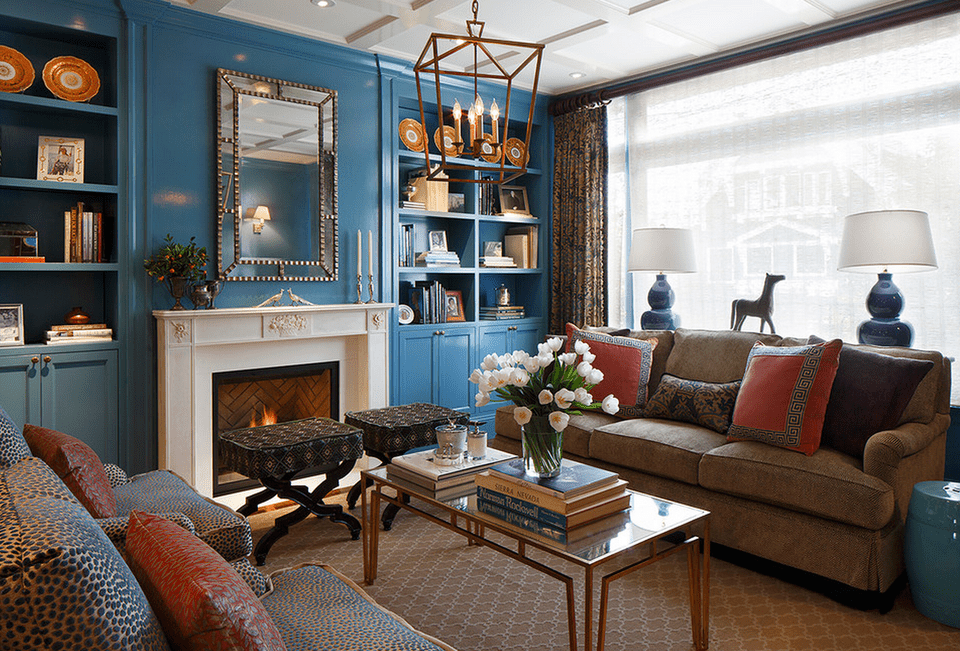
(451, 444)
(476, 444)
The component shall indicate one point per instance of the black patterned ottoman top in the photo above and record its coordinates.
(404, 427)
(279, 449)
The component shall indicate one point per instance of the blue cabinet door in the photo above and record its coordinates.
(80, 398)
(492, 340)
(454, 365)
(415, 366)
(526, 337)
(20, 388)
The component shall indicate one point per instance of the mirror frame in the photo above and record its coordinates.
(228, 181)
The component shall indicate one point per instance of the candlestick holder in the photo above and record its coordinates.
(359, 290)
(370, 286)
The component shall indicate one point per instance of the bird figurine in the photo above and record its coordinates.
(296, 300)
(273, 300)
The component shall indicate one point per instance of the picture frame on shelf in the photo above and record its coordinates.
(11, 324)
(456, 202)
(454, 306)
(513, 200)
(493, 249)
(60, 159)
(438, 240)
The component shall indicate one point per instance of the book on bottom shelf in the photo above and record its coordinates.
(574, 479)
(534, 529)
(568, 521)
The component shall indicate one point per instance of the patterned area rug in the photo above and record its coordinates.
(478, 600)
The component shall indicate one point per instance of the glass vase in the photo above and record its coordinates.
(542, 448)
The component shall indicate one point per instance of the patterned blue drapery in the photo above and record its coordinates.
(579, 280)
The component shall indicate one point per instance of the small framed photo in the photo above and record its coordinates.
(455, 306)
(456, 202)
(438, 240)
(60, 159)
(513, 199)
(11, 324)
(493, 249)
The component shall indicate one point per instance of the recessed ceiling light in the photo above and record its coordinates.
(577, 75)
(323, 4)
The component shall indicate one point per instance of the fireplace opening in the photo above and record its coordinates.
(265, 396)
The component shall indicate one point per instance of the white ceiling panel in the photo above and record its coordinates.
(605, 40)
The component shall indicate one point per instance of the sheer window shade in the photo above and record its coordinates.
(764, 161)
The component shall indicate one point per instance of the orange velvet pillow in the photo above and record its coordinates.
(77, 465)
(625, 363)
(201, 601)
(784, 395)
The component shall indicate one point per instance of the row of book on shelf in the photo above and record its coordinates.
(82, 234)
(68, 333)
(578, 504)
(519, 249)
(428, 299)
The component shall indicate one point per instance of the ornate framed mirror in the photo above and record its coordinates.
(277, 190)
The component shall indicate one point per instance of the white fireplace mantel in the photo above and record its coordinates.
(192, 345)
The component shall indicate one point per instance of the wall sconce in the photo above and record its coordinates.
(258, 216)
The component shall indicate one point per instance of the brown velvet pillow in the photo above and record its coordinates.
(77, 465)
(701, 403)
(869, 394)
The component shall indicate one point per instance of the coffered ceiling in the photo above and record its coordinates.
(588, 42)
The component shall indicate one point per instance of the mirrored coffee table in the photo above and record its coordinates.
(651, 526)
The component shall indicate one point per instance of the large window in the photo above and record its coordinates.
(764, 161)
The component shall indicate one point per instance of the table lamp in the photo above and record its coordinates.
(880, 242)
(661, 250)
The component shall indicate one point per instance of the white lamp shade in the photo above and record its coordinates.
(262, 213)
(887, 240)
(662, 250)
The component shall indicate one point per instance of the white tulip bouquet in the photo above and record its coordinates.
(547, 388)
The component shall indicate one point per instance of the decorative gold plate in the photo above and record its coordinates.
(445, 144)
(412, 135)
(488, 152)
(16, 71)
(71, 79)
(515, 150)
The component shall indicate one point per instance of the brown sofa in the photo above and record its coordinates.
(831, 514)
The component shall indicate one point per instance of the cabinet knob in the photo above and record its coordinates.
(442, 332)
(46, 359)
(512, 328)
(35, 360)
(436, 333)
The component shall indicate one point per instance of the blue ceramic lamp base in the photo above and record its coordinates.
(884, 304)
(660, 316)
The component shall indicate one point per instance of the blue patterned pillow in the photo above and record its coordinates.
(701, 403)
(13, 447)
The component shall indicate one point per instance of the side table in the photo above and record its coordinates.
(274, 454)
(392, 431)
(932, 550)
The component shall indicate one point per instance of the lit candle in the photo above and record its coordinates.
(472, 119)
(479, 104)
(359, 254)
(495, 118)
(370, 253)
(457, 112)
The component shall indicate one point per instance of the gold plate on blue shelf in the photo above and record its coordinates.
(412, 135)
(71, 79)
(16, 71)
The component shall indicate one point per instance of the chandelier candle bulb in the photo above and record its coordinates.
(495, 119)
(479, 104)
(457, 112)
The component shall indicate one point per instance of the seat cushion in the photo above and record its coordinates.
(201, 601)
(658, 447)
(63, 585)
(707, 404)
(315, 607)
(13, 447)
(162, 491)
(784, 395)
(868, 396)
(828, 484)
(576, 437)
(77, 465)
(625, 362)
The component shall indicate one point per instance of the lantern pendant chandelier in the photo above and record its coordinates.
(479, 149)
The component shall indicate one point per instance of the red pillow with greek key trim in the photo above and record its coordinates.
(784, 395)
(625, 363)
(201, 601)
(77, 465)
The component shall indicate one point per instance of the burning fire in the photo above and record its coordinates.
(267, 417)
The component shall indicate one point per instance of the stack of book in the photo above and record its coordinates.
(438, 259)
(82, 235)
(552, 509)
(78, 334)
(406, 245)
(501, 312)
(496, 261)
(446, 481)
